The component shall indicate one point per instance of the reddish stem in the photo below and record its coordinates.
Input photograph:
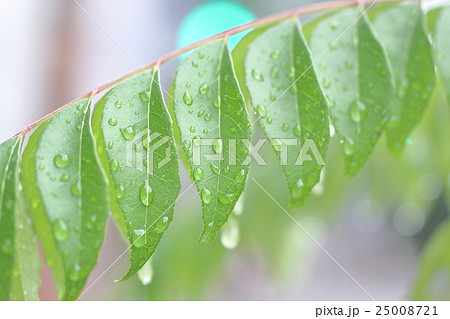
(257, 23)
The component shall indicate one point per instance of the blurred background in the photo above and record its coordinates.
(378, 225)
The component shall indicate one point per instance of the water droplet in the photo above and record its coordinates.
(62, 160)
(257, 75)
(198, 173)
(275, 54)
(80, 125)
(240, 176)
(112, 122)
(197, 140)
(358, 111)
(334, 24)
(146, 194)
(74, 274)
(110, 145)
(114, 165)
(206, 195)
(76, 189)
(145, 274)
(261, 110)
(277, 145)
(207, 117)
(285, 127)
(216, 101)
(64, 178)
(326, 83)
(274, 72)
(203, 89)
(145, 96)
(192, 129)
(217, 146)
(187, 143)
(120, 191)
(200, 113)
(118, 104)
(129, 132)
(68, 121)
(61, 230)
(138, 237)
(201, 55)
(41, 167)
(205, 130)
(269, 120)
(230, 235)
(215, 168)
(187, 98)
(225, 198)
(194, 64)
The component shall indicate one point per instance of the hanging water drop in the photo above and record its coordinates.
(76, 189)
(120, 191)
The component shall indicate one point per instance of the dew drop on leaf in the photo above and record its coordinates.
(207, 117)
(76, 189)
(197, 140)
(144, 96)
(215, 168)
(198, 173)
(61, 230)
(261, 110)
(206, 195)
(118, 104)
(257, 75)
(216, 101)
(225, 198)
(217, 146)
(146, 194)
(114, 165)
(62, 160)
(187, 98)
(275, 54)
(138, 237)
(112, 121)
(240, 176)
(120, 191)
(203, 89)
(129, 132)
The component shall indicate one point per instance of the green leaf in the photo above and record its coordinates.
(9, 185)
(142, 162)
(442, 46)
(66, 193)
(353, 69)
(26, 279)
(401, 29)
(213, 121)
(290, 105)
(435, 258)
